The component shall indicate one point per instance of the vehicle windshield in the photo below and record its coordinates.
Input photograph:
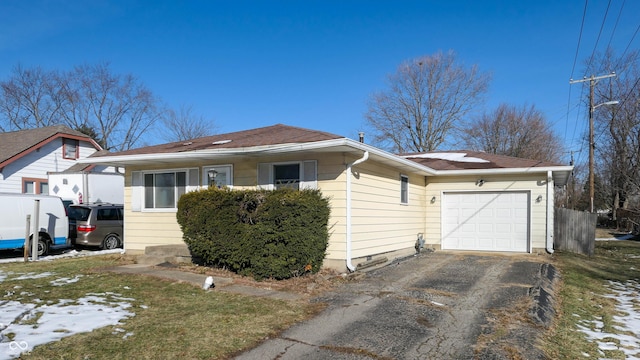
(79, 213)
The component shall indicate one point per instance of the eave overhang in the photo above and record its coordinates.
(342, 145)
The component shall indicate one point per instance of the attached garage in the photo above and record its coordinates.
(486, 221)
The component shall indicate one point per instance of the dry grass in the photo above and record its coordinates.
(580, 296)
(173, 320)
(306, 286)
(503, 323)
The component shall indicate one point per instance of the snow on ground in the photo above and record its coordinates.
(67, 254)
(627, 338)
(24, 325)
(623, 237)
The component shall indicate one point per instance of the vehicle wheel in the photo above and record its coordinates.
(43, 246)
(112, 241)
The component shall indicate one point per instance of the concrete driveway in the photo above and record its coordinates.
(432, 306)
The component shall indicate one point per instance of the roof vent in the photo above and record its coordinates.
(187, 143)
(361, 136)
(221, 142)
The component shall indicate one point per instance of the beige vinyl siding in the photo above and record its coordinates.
(142, 229)
(535, 183)
(332, 184)
(380, 222)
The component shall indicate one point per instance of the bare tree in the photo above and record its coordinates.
(184, 125)
(618, 129)
(28, 99)
(514, 131)
(426, 99)
(118, 108)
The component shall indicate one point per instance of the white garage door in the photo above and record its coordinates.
(486, 221)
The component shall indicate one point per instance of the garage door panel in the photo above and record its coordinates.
(487, 221)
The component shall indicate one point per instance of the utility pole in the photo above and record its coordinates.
(592, 83)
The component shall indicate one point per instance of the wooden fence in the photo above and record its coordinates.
(574, 231)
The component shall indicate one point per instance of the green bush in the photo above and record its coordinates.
(265, 234)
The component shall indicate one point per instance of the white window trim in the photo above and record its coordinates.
(205, 176)
(403, 177)
(138, 188)
(266, 174)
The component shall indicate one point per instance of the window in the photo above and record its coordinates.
(286, 176)
(35, 186)
(404, 189)
(295, 175)
(70, 149)
(107, 214)
(160, 190)
(219, 175)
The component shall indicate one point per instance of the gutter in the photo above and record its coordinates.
(550, 217)
(364, 158)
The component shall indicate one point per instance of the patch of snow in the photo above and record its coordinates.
(65, 280)
(627, 322)
(69, 254)
(32, 275)
(221, 142)
(623, 237)
(56, 321)
(458, 157)
(437, 303)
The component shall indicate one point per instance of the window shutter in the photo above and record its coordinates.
(265, 176)
(309, 175)
(136, 190)
(194, 180)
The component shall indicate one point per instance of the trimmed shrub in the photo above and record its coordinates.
(265, 234)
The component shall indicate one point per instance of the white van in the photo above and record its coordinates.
(53, 223)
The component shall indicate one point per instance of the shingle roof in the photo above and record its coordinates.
(15, 143)
(455, 160)
(270, 135)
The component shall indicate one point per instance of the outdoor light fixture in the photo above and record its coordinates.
(539, 198)
(433, 199)
(479, 182)
(212, 176)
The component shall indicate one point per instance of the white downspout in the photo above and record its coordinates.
(550, 213)
(364, 158)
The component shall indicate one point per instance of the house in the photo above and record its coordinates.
(29, 157)
(381, 203)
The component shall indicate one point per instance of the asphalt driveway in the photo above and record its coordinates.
(432, 306)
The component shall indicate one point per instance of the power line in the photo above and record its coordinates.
(575, 59)
(595, 47)
(615, 26)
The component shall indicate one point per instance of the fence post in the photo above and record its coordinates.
(25, 247)
(36, 231)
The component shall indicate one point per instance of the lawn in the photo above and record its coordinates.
(158, 319)
(592, 321)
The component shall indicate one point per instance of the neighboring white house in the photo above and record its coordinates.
(28, 156)
(381, 203)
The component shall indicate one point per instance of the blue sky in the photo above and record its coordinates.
(313, 64)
